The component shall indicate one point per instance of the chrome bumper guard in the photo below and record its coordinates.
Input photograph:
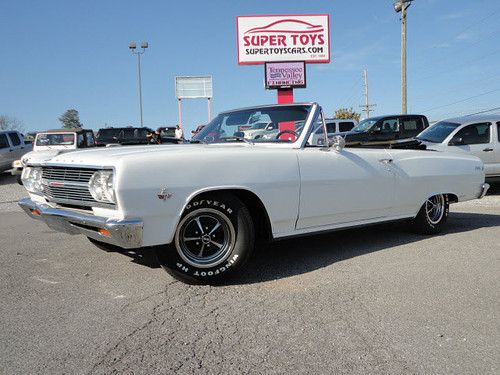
(484, 190)
(123, 233)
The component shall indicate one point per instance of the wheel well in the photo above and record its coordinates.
(262, 224)
(452, 198)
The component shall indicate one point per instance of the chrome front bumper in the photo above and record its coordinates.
(123, 233)
(484, 190)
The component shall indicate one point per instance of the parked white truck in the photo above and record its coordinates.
(52, 143)
(474, 135)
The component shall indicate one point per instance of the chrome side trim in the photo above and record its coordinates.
(484, 190)
(125, 233)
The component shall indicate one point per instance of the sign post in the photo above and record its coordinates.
(292, 40)
(193, 87)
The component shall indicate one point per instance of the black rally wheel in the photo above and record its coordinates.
(432, 215)
(214, 238)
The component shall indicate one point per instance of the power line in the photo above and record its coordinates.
(461, 101)
(461, 65)
(485, 111)
(468, 85)
(462, 31)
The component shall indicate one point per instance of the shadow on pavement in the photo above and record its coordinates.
(305, 254)
(6, 179)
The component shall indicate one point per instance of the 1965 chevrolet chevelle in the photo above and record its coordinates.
(203, 206)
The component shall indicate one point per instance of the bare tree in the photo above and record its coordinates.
(10, 123)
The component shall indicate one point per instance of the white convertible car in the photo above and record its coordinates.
(204, 206)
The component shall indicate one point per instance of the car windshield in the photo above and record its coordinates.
(287, 121)
(364, 126)
(438, 132)
(58, 139)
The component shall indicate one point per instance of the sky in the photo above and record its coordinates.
(66, 54)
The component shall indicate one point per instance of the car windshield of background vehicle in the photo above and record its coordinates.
(498, 131)
(438, 132)
(281, 124)
(363, 126)
(59, 139)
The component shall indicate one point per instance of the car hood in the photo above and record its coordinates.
(36, 157)
(111, 156)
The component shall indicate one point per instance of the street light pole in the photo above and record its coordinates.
(132, 47)
(402, 6)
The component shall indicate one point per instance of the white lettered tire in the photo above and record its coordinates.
(432, 215)
(213, 239)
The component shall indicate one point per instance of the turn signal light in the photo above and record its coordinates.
(36, 212)
(104, 232)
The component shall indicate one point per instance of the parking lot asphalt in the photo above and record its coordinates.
(374, 300)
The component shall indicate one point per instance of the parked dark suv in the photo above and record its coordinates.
(124, 136)
(396, 131)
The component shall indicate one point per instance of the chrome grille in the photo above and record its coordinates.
(69, 186)
(68, 193)
(67, 174)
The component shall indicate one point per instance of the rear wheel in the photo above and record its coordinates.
(213, 239)
(432, 215)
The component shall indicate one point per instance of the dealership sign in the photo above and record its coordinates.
(283, 38)
(280, 75)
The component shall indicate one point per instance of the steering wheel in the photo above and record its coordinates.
(286, 132)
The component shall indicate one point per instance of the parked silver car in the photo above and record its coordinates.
(12, 147)
(476, 135)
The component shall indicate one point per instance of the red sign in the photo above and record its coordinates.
(283, 38)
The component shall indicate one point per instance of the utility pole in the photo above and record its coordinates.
(404, 102)
(366, 107)
(402, 6)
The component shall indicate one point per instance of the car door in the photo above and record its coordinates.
(385, 130)
(5, 152)
(495, 168)
(340, 187)
(17, 145)
(475, 139)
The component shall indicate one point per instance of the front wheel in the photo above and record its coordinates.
(213, 239)
(432, 215)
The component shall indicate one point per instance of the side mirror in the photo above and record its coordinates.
(337, 142)
(376, 131)
(456, 141)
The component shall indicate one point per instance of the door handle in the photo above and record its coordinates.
(488, 149)
(385, 161)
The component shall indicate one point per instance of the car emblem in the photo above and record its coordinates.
(52, 183)
(164, 194)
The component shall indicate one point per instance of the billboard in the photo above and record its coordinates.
(304, 37)
(193, 87)
(281, 75)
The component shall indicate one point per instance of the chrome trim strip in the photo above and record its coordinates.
(126, 233)
(484, 190)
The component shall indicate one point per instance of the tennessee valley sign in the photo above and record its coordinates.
(283, 38)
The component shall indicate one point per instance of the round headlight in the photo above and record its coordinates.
(32, 179)
(101, 186)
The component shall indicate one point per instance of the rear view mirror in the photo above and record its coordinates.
(456, 141)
